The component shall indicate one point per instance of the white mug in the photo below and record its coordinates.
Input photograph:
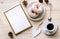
(49, 27)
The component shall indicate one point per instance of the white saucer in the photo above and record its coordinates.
(40, 17)
(46, 31)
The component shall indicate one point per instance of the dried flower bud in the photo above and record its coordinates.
(41, 1)
(25, 3)
(46, 1)
(10, 34)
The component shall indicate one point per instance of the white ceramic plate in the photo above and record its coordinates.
(40, 17)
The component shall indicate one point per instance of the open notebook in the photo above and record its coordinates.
(17, 19)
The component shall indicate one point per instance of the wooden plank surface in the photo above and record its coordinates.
(5, 27)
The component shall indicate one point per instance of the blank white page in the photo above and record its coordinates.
(17, 19)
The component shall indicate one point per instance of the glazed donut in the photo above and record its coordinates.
(33, 14)
(35, 10)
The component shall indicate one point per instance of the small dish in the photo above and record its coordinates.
(40, 16)
(49, 27)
